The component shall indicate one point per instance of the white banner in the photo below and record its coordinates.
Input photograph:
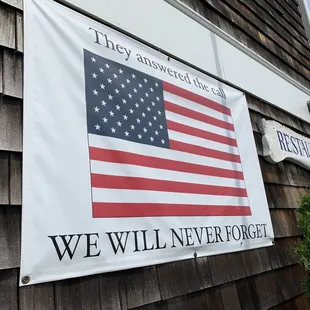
(130, 158)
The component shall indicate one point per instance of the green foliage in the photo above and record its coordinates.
(303, 249)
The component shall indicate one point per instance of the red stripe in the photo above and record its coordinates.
(194, 97)
(203, 151)
(135, 183)
(200, 133)
(198, 116)
(160, 163)
(102, 209)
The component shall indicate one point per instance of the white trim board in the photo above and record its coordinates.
(173, 27)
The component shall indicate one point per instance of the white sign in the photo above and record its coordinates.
(280, 143)
(130, 158)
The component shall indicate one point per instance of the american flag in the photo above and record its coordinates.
(156, 149)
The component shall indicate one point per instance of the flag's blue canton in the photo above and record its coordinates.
(124, 103)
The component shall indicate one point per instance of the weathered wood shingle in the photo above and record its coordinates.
(12, 74)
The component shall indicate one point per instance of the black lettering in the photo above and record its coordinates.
(119, 48)
(158, 247)
(228, 233)
(170, 72)
(234, 229)
(209, 234)
(154, 65)
(135, 232)
(295, 150)
(265, 232)
(162, 68)
(199, 237)
(140, 58)
(188, 233)
(218, 234)
(180, 238)
(244, 232)
(281, 140)
(91, 244)
(108, 43)
(145, 242)
(259, 232)
(287, 142)
(120, 243)
(300, 150)
(66, 244)
(252, 233)
(147, 61)
(97, 41)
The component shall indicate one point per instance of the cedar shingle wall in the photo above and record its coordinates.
(267, 278)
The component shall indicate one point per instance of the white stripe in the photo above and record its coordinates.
(139, 196)
(200, 125)
(177, 136)
(192, 105)
(148, 150)
(99, 167)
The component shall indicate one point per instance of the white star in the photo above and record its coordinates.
(123, 86)
(143, 114)
(116, 91)
(93, 59)
(131, 111)
(102, 86)
(115, 76)
(161, 126)
(146, 94)
(113, 130)
(110, 81)
(101, 70)
(128, 81)
(162, 141)
(145, 80)
(132, 127)
(150, 124)
(111, 113)
(156, 84)
(110, 97)
(107, 65)
(159, 112)
(156, 133)
(155, 118)
(120, 71)
(140, 85)
(119, 123)
(94, 75)
(125, 117)
(139, 136)
(138, 121)
(124, 101)
(96, 109)
(133, 76)
(137, 105)
(126, 133)
(148, 108)
(103, 103)
(152, 139)
(157, 98)
(151, 89)
(118, 107)
(130, 95)
(105, 120)
(135, 90)
(153, 103)
(95, 92)
(144, 129)
(141, 99)
(97, 127)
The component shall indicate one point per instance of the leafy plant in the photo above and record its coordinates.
(303, 248)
